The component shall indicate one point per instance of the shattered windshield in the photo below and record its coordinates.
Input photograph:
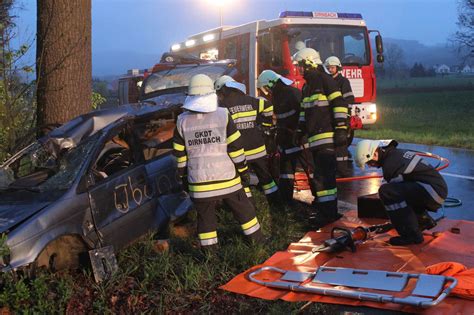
(180, 76)
(37, 169)
(348, 43)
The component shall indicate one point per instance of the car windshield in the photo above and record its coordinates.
(37, 169)
(179, 76)
(348, 43)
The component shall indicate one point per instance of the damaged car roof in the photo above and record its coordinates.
(73, 132)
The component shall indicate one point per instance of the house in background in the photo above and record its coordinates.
(442, 69)
(467, 69)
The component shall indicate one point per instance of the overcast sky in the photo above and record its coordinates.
(151, 26)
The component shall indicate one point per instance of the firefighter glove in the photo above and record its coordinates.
(340, 137)
(245, 178)
(298, 137)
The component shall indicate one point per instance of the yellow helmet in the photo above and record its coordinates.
(308, 56)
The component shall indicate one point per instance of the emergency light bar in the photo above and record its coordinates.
(323, 15)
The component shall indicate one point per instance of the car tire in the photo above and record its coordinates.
(64, 253)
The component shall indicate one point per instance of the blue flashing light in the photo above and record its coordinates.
(349, 16)
(285, 14)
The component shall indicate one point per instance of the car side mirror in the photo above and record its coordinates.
(379, 44)
(85, 182)
(380, 58)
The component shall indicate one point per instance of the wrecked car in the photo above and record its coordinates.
(104, 178)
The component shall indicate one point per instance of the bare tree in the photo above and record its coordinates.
(63, 60)
(464, 37)
(394, 56)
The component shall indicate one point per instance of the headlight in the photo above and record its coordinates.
(372, 108)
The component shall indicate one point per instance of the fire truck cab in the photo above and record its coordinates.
(263, 44)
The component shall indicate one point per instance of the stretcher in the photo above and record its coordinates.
(429, 290)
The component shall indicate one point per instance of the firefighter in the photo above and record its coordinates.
(412, 187)
(324, 112)
(334, 66)
(286, 100)
(211, 161)
(251, 116)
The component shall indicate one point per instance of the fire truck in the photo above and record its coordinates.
(263, 44)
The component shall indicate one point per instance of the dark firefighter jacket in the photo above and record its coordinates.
(403, 165)
(209, 152)
(323, 107)
(286, 106)
(249, 114)
(345, 88)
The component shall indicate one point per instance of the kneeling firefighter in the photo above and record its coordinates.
(251, 117)
(413, 186)
(211, 161)
(286, 100)
(324, 112)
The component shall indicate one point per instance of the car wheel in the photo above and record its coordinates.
(63, 253)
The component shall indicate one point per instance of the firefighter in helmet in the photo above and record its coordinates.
(252, 116)
(286, 100)
(211, 162)
(324, 112)
(412, 187)
(334, 66)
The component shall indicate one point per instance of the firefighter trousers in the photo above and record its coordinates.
(265, 180)
(325, 179)
(242, 209)
(342, 160)
(404, 202)
(288, 163)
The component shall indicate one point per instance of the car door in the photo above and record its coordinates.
(123, 201)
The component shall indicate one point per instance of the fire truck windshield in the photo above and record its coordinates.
(179, 76)
(348, 43)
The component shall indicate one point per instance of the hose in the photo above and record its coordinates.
(301, 182)
(443, 163)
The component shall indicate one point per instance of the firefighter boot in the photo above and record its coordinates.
(425, 221)
(325, 213)
(405, 222)
(256, 237)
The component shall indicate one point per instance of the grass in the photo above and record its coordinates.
(433, 118)
(181, 281)
(427, 82)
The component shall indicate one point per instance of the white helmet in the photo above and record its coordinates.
(333, 61)
(269, 78)
(365, 151)
(200, 84)
(300, 45)
(228, 81)
(201, 95)
(307, 55)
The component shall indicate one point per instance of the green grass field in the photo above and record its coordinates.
(182, 281)
(434, 118)
(426, 82)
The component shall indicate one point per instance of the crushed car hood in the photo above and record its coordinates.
(166, 100)
(14, 213)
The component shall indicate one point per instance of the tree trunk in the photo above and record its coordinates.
(63, 60)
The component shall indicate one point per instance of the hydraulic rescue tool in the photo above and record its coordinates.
(342, 238)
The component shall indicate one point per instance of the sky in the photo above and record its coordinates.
(134, 33)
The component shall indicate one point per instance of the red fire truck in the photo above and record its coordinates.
(262, 44)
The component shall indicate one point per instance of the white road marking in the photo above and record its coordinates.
(458, 176)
